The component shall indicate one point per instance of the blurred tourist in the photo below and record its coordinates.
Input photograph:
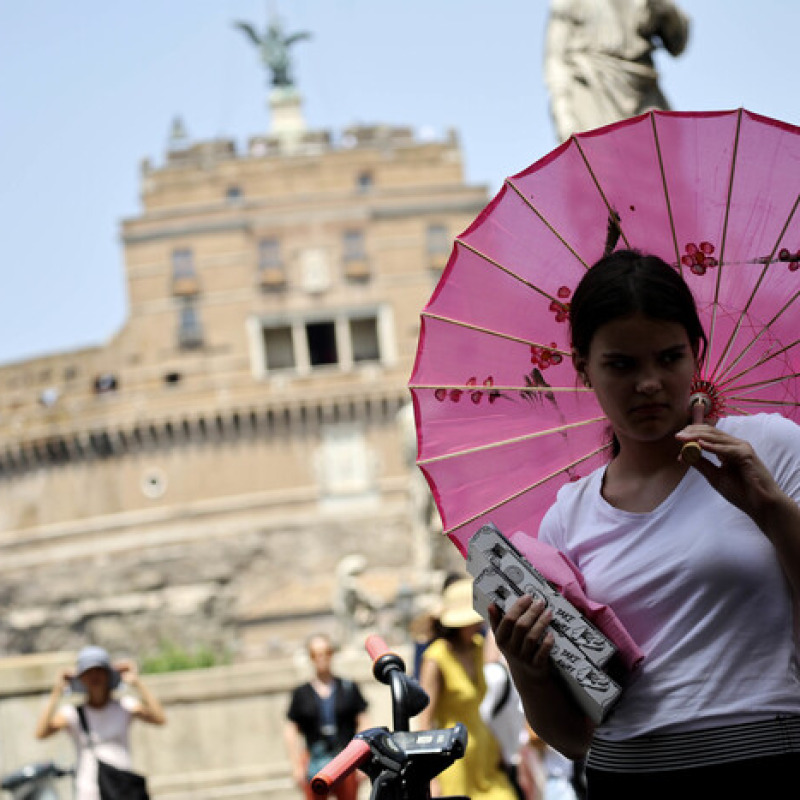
(107, 718)
(324, 714)
(501, 709)
(452, 675)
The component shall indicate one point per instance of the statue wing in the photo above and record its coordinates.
(250, 31)
(296, 37)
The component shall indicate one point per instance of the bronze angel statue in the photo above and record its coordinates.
(274, 48)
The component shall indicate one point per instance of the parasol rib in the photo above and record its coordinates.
(742, 410)
(666, 192)
(536, 485)
(561, 429)
(527, 388)
(719, 375)
(532, 207)
(509, 272)
(731, 179)
(723, 241)
(611, 210)
(490, 332)
(728, 380)
(719, 371)
(776, 381)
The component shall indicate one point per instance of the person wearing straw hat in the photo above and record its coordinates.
(108, 718)
(452, 675)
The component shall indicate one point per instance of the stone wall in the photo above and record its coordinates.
(223, 736)
(247, 594)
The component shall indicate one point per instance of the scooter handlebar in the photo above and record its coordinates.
(376, 647)
(352, 757)
(384, 661)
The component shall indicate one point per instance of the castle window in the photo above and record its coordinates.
(438, 241)
(353, 244)
(184, 277)
(356, 266)
(105, 383)
(279, 348)
(182, 264)
(364, 339)
(364, 181)
(321, 337)
(271, 271)
(438, 246)
(190, 329)
(269, 253)
(304, 344)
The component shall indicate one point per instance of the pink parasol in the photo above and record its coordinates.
(502, 423)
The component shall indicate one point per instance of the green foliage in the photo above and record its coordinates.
(172, 657)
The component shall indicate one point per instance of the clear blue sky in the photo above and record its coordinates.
(89, 88)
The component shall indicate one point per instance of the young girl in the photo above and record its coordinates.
(701, 564)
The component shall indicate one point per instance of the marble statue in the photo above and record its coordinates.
(599, 59)
(353, 607)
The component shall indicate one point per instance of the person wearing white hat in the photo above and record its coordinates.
(452, 675)
(108, 719)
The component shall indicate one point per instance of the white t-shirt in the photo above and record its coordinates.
(699, 588)
(109, 728)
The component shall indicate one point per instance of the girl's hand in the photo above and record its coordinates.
(127, 670)
(741, 478)
(524, 639)
(64, 680)
(522, 636)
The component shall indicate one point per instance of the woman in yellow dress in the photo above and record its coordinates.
(452, 675)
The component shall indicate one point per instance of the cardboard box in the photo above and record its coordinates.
(489, 549)
(501, 575)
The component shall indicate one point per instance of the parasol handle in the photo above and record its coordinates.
(699, 404)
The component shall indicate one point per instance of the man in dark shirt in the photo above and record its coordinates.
(324, 714)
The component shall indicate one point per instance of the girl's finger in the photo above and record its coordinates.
(533, 640)
(542, 657)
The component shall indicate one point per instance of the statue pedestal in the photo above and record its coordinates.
(286, 115)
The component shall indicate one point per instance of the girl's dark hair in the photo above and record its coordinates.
(626, 282)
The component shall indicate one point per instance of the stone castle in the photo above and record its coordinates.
(200, 478)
